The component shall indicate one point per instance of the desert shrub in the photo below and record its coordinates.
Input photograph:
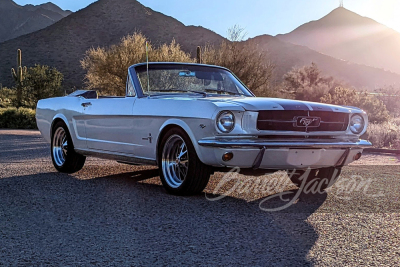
(375, 108)
(107, 68)
(307, 83)
(390, 96)
(7, 97)
(395, 121)
(41, 82)
(245, 59)
(21, 118)
(384, 135)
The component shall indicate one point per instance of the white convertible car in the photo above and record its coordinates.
(191, 120)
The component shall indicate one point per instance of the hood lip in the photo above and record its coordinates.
(248, 104)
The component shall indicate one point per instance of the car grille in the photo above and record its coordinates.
(302, 121)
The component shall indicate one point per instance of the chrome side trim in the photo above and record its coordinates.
(259, 143)
(117, 157)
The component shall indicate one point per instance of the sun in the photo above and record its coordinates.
(385, 12)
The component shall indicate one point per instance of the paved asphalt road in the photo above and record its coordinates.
(113, 214)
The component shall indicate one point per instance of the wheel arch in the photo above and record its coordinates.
(175, 123)
(57, 118)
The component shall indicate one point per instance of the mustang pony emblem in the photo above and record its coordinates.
(308, 121)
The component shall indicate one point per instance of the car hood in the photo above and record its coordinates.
(265, 103)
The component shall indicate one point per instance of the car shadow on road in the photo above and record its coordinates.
(120, 219)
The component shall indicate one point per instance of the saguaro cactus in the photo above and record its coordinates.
(19, 76)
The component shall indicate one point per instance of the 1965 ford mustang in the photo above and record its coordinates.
(192, 119)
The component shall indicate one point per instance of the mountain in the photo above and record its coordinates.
(103, 23)
(287, 55)
(16, 20)
(49, 6)
(346, 35)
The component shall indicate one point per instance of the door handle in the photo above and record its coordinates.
(87, 104)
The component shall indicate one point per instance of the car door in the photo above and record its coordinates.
(109, 124)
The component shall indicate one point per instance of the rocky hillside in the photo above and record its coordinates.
(105, 22)
(346, 35)
(16, 20)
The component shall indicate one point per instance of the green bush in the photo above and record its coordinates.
(7, 97)
(41, 82)
(13, 118)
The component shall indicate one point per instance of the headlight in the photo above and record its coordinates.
(226, 121)
(357, 124)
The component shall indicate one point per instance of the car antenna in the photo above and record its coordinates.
(147, 58)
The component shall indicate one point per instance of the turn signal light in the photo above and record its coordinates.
(227, 156)
(357, 156)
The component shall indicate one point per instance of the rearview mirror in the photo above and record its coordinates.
(187, 73)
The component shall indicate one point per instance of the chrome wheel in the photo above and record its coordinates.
(60, 146)
(175, 161)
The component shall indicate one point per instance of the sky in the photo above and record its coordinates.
(256, 16)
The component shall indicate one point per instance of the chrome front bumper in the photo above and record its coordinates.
(280, 154)
(261, 143)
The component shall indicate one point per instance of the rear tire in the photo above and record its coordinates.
(181, 171)
(63, 155)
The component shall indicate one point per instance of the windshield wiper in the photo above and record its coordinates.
(185, 91)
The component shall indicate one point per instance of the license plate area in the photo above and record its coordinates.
(304, 157)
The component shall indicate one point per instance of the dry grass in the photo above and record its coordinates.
(384, 135)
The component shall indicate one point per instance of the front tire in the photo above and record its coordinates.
(63, 155)
(181, 171)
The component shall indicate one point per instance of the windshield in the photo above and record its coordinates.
(177, 78)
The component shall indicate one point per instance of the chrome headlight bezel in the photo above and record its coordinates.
(357, 124)
(225, 121)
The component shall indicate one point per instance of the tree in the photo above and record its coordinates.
(244, 58)
(107, 68)
(41, 82)
(307, 83)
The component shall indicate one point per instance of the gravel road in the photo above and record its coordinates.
(114, 214)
